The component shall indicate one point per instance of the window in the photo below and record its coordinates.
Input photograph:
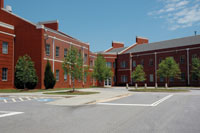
(5, 48)
(57, 51)
(194, 56)
(47, 49)
(85, 77)
(171, 79)
(109, 64)
(142, 62)
(160, 60)
(161, 79)
(85, 58)
(123, 64)
(114, 64)
(151, 62)
(124, 79)
(65, 75)
(194, 77)
(57, 75)
(114, 79)
(134, 63)
(182, 59)
(65, 52)
(183, 77)
(4, 74)
(151, 78)
(91, 63)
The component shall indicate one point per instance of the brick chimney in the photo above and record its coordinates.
(117, 45)
(1, 3)
(141, 40)
(51, 24)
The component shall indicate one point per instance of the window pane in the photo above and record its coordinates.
(134, 63)
(57, 75)
(65, 52)
(151, 78)
(85, 58)
(5, 48)
(109, 64)
(65, 75)
(57, 51)
(4, 74)
(182, 59)
(47, 49)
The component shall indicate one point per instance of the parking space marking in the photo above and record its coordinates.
(9, 113)
(142, 105)
(24, 99)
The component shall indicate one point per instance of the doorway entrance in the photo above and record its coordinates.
(108, 82)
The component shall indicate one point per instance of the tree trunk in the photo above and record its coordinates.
(136, 86)
(73, 86)
(167, 82)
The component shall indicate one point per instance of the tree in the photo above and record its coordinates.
(49, 79)
(73, 65)
(138, 75)
(25, 73)
(101, 71)
(168, 68)
(196, 68)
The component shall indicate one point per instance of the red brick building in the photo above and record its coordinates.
(44, 41)
(7, 36)
(151, 54)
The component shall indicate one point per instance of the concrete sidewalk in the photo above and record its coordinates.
(103, 95)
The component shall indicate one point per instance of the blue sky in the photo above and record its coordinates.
(100, 22)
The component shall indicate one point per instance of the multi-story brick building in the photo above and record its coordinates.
(151, 54)
(43, 41)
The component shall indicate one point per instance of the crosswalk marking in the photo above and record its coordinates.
(14, 100)
(5, 100)
(21, 99)
(28, 98)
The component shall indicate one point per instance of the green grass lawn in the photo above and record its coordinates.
(34, 90)
(72, 93)
(159, 90)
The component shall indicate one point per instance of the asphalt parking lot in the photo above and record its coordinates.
(140, 112)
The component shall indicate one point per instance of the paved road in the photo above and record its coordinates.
(178, 113)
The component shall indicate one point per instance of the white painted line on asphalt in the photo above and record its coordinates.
(161, 100)
(119, 104)
(21, 99)
(5, 100)
(141, 105)
(35, 97)
(14, 100)
(8, 113)
(28, 98)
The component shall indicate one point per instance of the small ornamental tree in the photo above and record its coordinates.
(73, 65)
(25, 73)
(101, 71)
(168, 68)
(196, 68)
(49, 79)
(138, 75)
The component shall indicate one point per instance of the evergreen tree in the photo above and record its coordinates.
(49, 79)
(168, 68)
(138, 74)
(25, 73)
(101, 71)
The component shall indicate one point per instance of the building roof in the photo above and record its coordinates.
(117, 50)
(166, 44)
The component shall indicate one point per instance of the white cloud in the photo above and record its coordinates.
(178, 13)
